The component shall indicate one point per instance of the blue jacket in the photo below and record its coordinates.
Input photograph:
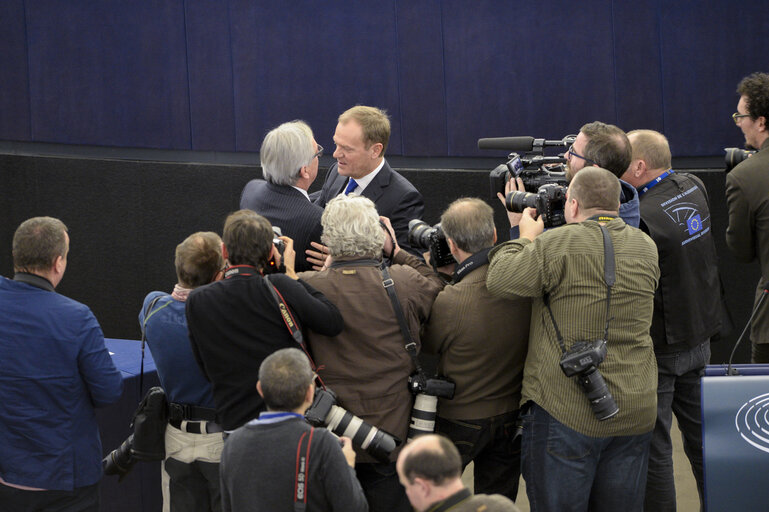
(54, 369)
(629, 204)
(166, 332)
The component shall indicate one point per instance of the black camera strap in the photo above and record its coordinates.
(302, 463)
(291, 324)
(411, 346)
(609, 276)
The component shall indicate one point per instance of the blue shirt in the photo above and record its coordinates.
(169, 342)
(54, 369)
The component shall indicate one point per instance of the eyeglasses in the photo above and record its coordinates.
(737, 116)
(318, 154)
(571, 152)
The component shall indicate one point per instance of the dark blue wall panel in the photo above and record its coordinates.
(109, 73)
(421, 78)
(216, 75)
(209, 65)
(14, 81)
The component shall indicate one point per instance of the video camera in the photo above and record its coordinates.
(534, 168)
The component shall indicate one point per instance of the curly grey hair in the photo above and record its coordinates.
(351, 228)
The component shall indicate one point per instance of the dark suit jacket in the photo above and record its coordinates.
(394, 196)
(288, 209)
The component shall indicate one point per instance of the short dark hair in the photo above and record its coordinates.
(284, 377)
(198, 259)
(248, 238)
(608, 147)
(755, 88)
(469, 222)
(37, 243)
(434, 465)
(595, 188)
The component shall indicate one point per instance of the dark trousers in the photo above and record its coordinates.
(678, 391)
(382, 488)
(490, 444)
(82, 499)
(759, 353)
(571, 472)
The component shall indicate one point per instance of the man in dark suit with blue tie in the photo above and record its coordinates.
(361, 138)
(289, 157)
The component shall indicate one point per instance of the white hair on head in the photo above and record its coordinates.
(285, 150)
(351, 228)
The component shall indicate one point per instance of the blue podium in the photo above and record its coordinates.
(735, 424)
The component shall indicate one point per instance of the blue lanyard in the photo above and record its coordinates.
(654, 182)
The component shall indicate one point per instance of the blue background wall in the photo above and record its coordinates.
(215, 75)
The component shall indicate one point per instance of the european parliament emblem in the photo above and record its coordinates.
(694, 224)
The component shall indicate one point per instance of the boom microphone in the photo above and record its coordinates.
(524, 144)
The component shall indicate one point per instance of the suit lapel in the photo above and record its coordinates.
(377, 186)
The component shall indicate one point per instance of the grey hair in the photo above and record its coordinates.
(351, 228)
(285, 150)
(285, 376)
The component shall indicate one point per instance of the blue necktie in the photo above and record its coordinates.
(350, 186)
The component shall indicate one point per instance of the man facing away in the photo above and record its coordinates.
(747, 199)
(193, 439)
(482, 341)
(594, 287)
(278, 461)
(687, 305)
(430, 470)
(361, 138)
(54, 370)
(289, 158)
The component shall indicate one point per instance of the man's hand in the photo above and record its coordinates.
(512, 185)
(391, 243)
(320, 259)
(348, 451)
(289, 256)
(531, 226)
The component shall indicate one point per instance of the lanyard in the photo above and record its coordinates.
(654, 182)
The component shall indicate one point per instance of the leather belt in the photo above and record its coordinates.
(196, 427)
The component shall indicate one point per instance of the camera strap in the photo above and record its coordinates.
(291, 324)
(609, 276)
(411, 346)
(302, 463)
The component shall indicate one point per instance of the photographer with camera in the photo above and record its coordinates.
(235, 323)
(687, 305)
(590, 377)
(482, 341)
(367, 364)
(193, 439)
(747, 198)
(278, 461)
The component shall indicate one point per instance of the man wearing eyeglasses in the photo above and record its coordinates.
(289, 158)
(606, 146)
(747, 197)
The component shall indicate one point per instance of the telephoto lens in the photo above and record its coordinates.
(601, 401)
(423, 415)
(120, 460)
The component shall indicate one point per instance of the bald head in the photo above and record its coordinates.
(430, 457)
(651, 157)
(469, 222)
(596, 189)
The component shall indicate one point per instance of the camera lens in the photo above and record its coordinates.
(419, 234)
(601, 401)
(517, 201)
(120, 460)
(374, 441)
(423, 415)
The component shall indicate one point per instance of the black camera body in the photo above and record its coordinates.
(534, 171)
(432, 239)
(441, 387)
(549, 201)
(581, 361)
(324, 412)
(734, 156)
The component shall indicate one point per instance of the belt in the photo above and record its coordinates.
(196, 427)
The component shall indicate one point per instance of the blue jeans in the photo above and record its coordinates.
(678, 391)
(490, 444)
(571, 472)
